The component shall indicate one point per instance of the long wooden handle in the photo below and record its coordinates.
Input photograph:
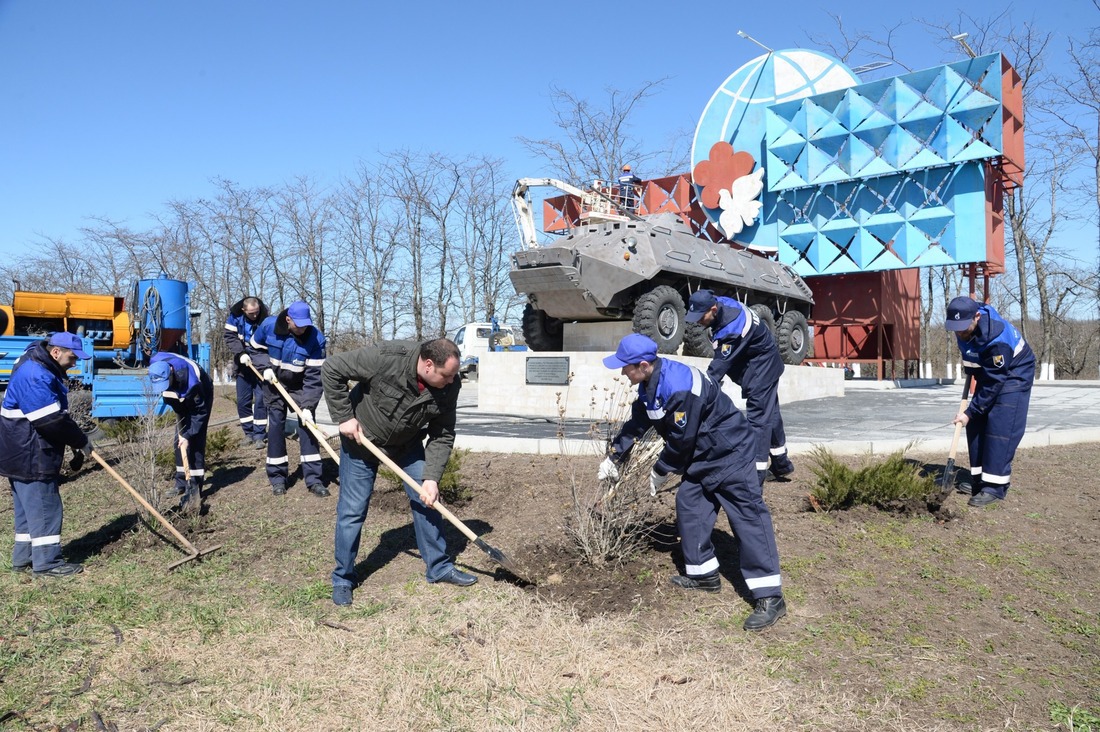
(415, 486)
(307, 422)
(959, 425)
(141, 499)
(186, 465)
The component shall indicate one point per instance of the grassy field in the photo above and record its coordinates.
(988, 621)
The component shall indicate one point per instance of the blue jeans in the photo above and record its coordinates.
(356, 486)
(38, 515)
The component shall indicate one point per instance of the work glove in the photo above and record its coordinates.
(608, 470)
(307, 417)
(269, 376)
(80, 454)
(656, 480)
(183, 444)
(244, 360)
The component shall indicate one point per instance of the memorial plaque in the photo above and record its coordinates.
(548, 370)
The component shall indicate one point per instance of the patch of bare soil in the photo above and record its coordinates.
(958, 612)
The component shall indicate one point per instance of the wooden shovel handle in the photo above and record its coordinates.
(141, 499)
(297, 410)
(959, 425)
(437, 505)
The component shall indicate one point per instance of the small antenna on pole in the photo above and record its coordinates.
(747, 37)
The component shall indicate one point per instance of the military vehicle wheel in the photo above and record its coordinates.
(697, 341)
(540, 331)
(766, 316)
(793, 337)
(659, 314)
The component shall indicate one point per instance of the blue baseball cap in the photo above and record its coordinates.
(70, 341)
(960, 312)
(299, 313)
(633, 349)
(698, 304)
(160, 374)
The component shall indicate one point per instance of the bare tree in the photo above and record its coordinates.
(595, 139)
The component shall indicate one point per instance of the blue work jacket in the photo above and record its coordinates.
(998, 358)
(744, 348)
(35, 425)
(296, 361)
(190, 394)
(706, 437)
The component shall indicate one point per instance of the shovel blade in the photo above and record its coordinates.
(498, 556)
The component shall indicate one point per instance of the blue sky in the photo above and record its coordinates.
(113, 108)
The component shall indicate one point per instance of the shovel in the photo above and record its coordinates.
(495, 554)
(197, 505)
(195, 553)
(947, 481)
(310, 424)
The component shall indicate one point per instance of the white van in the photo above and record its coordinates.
(474, 339)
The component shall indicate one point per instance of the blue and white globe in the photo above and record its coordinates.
(735, 113)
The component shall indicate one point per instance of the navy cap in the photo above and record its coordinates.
(960, 312)
(698, 304)
(299, 313)
(633, 349)
(70, 341)
(160, 374)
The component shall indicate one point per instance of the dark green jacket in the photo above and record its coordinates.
(390, 408)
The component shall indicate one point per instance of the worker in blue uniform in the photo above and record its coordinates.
(746, 351)
(711, 445)
(189, 391)
(290, 350)
(35, 427)
(241, 322)
(1003, 367)
(629, 190)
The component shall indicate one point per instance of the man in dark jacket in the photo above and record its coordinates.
(746, 351)
(404, 391)
(241, 323)
(712, 446)
(289, 350)
(189, 391)
(1003, 365)
(35, 427)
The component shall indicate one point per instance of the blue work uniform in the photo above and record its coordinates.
(190, 394)
(250, 396)
(628, 191)
(1003, 366)
(35, 427)
(297, 363)
(711, 445)
(745, 350)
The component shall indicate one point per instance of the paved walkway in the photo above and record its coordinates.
(872, 417)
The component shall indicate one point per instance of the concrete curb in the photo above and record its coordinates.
(526, 446)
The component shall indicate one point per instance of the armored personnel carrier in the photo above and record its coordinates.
(615, 265)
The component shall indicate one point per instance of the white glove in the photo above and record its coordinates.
(269, 376)
(307, 417)
(246, 360)
(608, 470)
(656, 480)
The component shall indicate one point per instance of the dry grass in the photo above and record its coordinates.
(494, 659)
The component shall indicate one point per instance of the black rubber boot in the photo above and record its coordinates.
(765, 612)
(706, 582)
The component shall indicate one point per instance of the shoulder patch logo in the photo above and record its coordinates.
(680, 418)
(727, 349)
(999, 361)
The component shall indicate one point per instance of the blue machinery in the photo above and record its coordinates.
(160, 318)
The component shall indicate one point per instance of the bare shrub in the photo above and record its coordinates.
(611, 521)
(145, 449)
